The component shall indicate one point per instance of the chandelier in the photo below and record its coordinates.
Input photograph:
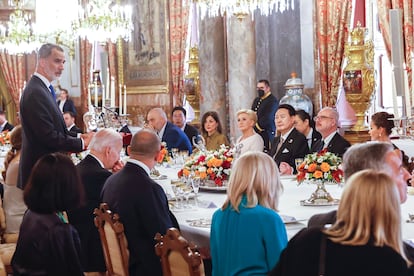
(103, 20)
(18, 35)
(241, 8)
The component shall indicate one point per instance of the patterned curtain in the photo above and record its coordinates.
(407, 20)
(179, 10)
(85, 52)
(14, 72)
(332, 18)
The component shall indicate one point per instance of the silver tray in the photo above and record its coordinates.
(307, 202)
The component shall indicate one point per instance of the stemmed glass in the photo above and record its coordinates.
(195, 183)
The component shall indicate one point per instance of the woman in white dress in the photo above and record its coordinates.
(249, 140)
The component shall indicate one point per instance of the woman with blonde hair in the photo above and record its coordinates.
(249, 140)
(247, 234)
(366, 238)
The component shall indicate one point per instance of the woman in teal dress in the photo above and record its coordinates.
(212, 131)
(247, 234)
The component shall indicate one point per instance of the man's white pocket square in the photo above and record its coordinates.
(285, 150)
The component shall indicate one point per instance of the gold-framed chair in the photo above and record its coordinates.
(178, 257)
(7, 243)
(113, 240)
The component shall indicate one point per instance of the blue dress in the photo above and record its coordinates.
(248, 242)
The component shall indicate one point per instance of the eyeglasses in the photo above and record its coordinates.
(321, 117)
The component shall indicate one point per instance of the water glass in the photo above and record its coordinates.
(195, 183)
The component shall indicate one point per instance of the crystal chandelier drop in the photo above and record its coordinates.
(103, 20)
(18, 35)
(241, 8)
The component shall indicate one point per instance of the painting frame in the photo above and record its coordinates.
(144, 58)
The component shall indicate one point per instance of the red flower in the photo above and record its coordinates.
(301, 176)
(337, 175)
(180, 173)
(218, 182)
(322, 152)
(202, 158)
(226, 164)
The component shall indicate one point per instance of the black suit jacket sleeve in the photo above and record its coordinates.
(69, 106)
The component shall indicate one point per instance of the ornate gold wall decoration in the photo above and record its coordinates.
(192, 84)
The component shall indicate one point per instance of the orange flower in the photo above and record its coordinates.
(186, 172)
(160, 157)
(312, 167)
(325, 167)
(302, 166)
(214, 162)
(203, 175)
(318, 174)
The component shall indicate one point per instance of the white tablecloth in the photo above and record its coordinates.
(289, 205)
(406, 145)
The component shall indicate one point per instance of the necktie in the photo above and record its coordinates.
(52, 90)
(280, 144)
(322, 145)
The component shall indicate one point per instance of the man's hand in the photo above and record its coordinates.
(117, 166)
(285, 169)
(87, 137)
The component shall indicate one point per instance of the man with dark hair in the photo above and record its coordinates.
(290, 144)
(44, 130)
(69, 118)
(179, 116)
(140, 203)
(265, 106)
(4, 124)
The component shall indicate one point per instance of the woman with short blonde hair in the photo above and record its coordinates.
(249, 140)
(247, 224)
(365, 239)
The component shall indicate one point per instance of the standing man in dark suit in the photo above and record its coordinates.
(179, 116)
(265, 106)
(168, 132)
(290, 144)
(65, 104)
(327, 125)
(44, 130)
(4, 124)
(141, 203)
(69, 119)
(94, 169)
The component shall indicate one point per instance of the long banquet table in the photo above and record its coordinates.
(289, 205)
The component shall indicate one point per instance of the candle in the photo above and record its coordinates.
(407, 95)
(89, 98)
(108, 83)
(125, 100)
(96, 95)
(103, 95)
(120, 100)
(112, 92)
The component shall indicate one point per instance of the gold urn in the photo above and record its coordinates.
(358, 76)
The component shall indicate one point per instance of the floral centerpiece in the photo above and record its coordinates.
(163, 155)
(320, 167)
(4, 138)
(209, 165)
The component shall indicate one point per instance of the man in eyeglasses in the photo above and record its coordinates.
(327, 124)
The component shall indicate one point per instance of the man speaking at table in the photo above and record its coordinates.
(44, 130)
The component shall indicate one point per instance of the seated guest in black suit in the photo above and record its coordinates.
(179, 116)
(94, 169)
(290, 144)
(64, 103)
(141, 203)
(327, 125)
(48, 244)
(366, 238)
(4, 124)
(305, 125)
(168, 132)
(69, 118)
(377, 156)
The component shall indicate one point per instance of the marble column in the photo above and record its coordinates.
(241, 67)
(212, 68)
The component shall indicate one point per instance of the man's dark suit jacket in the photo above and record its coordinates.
(191, 132)
(330, 218)
(8, 127)
(93, 178)
(68, 106)
(176, 138)
(316, 137)
(74, 130)
(44, 130)
(266, 109)
(295, 146)
(143, 209)
(338, 145)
